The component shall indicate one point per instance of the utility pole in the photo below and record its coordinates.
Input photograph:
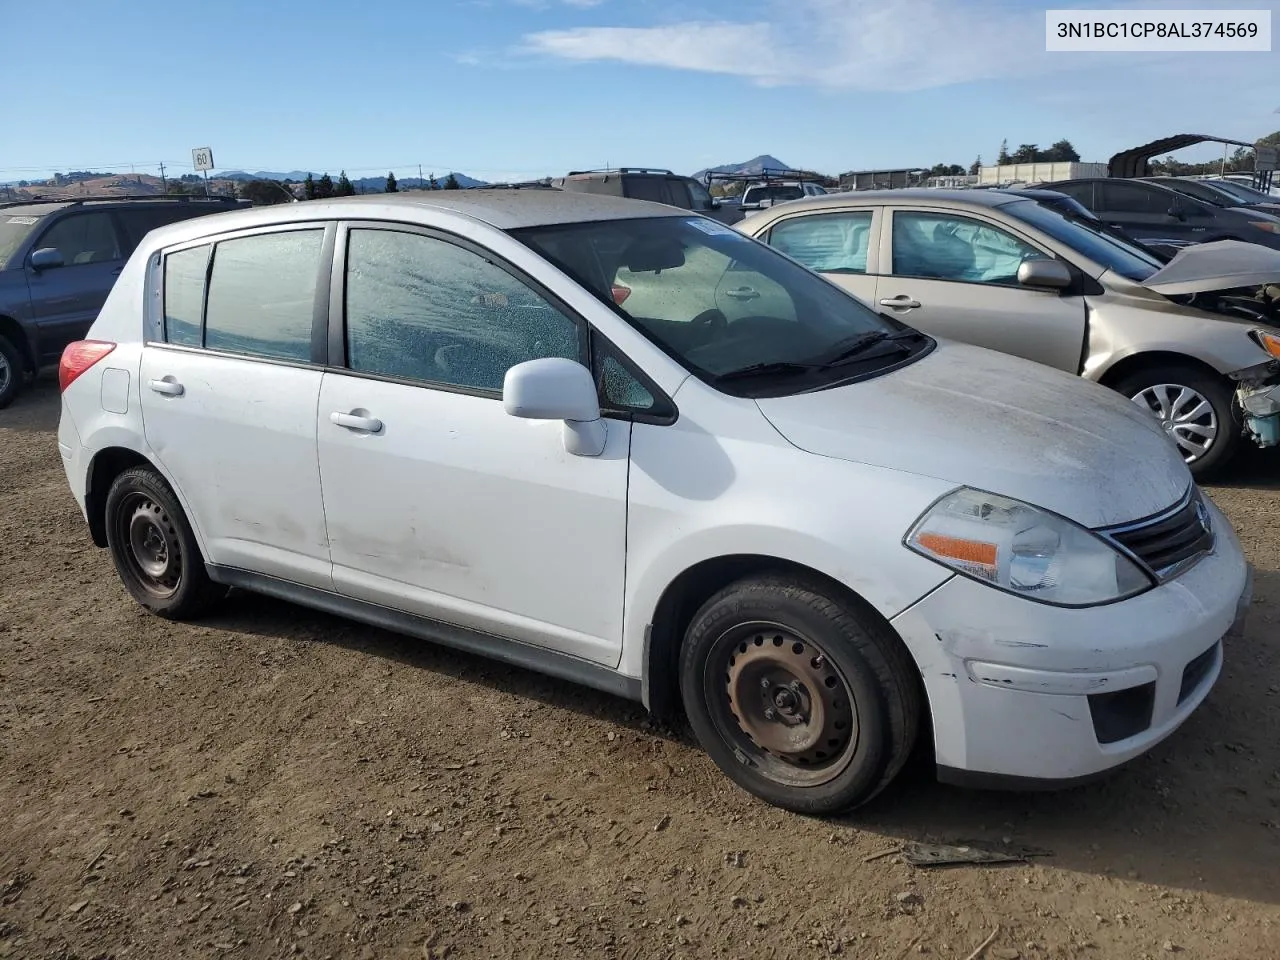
(420, 176)
(164, 184)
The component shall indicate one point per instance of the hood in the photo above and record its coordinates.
(1220, 265)
(971, 416)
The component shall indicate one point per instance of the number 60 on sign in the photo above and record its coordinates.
(202, 158)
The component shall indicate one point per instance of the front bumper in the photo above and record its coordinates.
(1026, 692)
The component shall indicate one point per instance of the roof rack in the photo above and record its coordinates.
(543, 184)
(766, 175)
(658, 170)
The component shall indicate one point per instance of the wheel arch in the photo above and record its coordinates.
(1154, 360)
(691, 588)
(16, 334)
(107, 464)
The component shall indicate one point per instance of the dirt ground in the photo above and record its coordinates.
(276, 783)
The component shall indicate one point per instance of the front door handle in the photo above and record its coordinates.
(742, 293)
(354, 421)
(900, 302)
(168, 386)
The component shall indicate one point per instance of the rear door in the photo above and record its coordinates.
(954, 274)
(837, 244)
(141, 219)
(65, 300)
(1148, 212)
(229, 395)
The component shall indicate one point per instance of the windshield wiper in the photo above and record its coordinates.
(855, 347)
(773, 368)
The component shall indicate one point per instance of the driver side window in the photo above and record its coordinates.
(418, 308)
(945, 247)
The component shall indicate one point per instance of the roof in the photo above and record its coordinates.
(1135, 162)
(502, 209)
(41, 209)
(943, 198)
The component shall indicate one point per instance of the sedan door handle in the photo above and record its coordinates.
(900, 302)
(354, 421)
(742, 293)
(170, 388)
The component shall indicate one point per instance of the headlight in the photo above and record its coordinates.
(1269, 225)
(1024, 550)
(1268, 342)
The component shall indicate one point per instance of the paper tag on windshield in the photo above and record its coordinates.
(714, 228)
(26, 220)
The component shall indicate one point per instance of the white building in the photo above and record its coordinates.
(1040, 172)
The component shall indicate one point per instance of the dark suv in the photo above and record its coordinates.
(643, 183)
(58, 261)
(1150, 211)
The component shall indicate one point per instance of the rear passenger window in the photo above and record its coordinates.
(262, 294)
(184, 274)
(647, 188)
(828, 243)
(1131, 198)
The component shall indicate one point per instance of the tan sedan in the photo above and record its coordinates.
(1194, 340)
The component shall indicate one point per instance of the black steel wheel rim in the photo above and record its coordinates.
(777, 698)
(149, 544)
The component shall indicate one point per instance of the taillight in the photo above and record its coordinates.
(79, 357)
(620, 294)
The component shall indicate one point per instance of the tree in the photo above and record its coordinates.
(345, 187)
(1026, 153)
(177, 188)
(1061, 151)
(392, 186)
(309, 187)
(431, 183)
(1003, 157)
(451, 183)
(263, 193)
(324, 186)
(976, 167)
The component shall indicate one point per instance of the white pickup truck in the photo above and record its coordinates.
(758, 196)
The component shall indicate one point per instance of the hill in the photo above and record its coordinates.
(363, 184)
(755, 166)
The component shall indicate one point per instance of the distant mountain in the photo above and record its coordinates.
(266, 175)
(754, 166)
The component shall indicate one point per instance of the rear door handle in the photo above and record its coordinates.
(355, 422)
(168, 387)
(900, 302)
(742, 293)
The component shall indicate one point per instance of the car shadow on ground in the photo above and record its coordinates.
(35, 409)
(1144, 823)
(1259, 469)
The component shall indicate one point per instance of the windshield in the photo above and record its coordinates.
(733, 311)
(1199, 190)
(1241, 192)
(14, 228)
(777, 193)
(1077, 233)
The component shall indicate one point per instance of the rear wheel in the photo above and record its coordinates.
(803, 698)
(13, 372)
(154, 548)
(1196, 409)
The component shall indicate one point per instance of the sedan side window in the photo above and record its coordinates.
(827, 243)
(83, 238)
(184, 273)
(944, 247)
(424, 309)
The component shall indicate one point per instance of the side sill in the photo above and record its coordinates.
(514, 652)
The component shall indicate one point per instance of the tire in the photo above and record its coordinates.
(13, 372)
(154, 549)
(854, 736)
(1147, 387)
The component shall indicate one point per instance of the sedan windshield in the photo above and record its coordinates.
(733, 311)
(1246, 194)
(1078, 233)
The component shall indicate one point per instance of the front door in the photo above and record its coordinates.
(836, 245)
(229, 401)
(955, 276)
(439, 503)
(65, 300)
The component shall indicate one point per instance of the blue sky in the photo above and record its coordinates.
(515, 88)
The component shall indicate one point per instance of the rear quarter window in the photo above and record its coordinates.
(184, 281)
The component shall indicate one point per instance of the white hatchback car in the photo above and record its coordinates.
(549, 428)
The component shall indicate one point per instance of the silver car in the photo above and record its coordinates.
(1192, 340)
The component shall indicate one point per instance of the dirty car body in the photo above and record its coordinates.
(628, 446)
(1190, 337)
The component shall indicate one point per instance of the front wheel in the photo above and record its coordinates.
(154, 548)
(801, 697)
(13, 372)
(1195, 408)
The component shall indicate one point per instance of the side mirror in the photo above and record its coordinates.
(1044, 273)
(46, 258)
(553, 388)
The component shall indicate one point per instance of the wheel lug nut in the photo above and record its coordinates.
(764, 684)
(769, 715)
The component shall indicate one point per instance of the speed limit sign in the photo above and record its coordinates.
(202, 158)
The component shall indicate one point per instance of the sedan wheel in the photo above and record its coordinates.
(1186, 415)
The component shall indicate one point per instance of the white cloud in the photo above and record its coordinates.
(870, 45)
